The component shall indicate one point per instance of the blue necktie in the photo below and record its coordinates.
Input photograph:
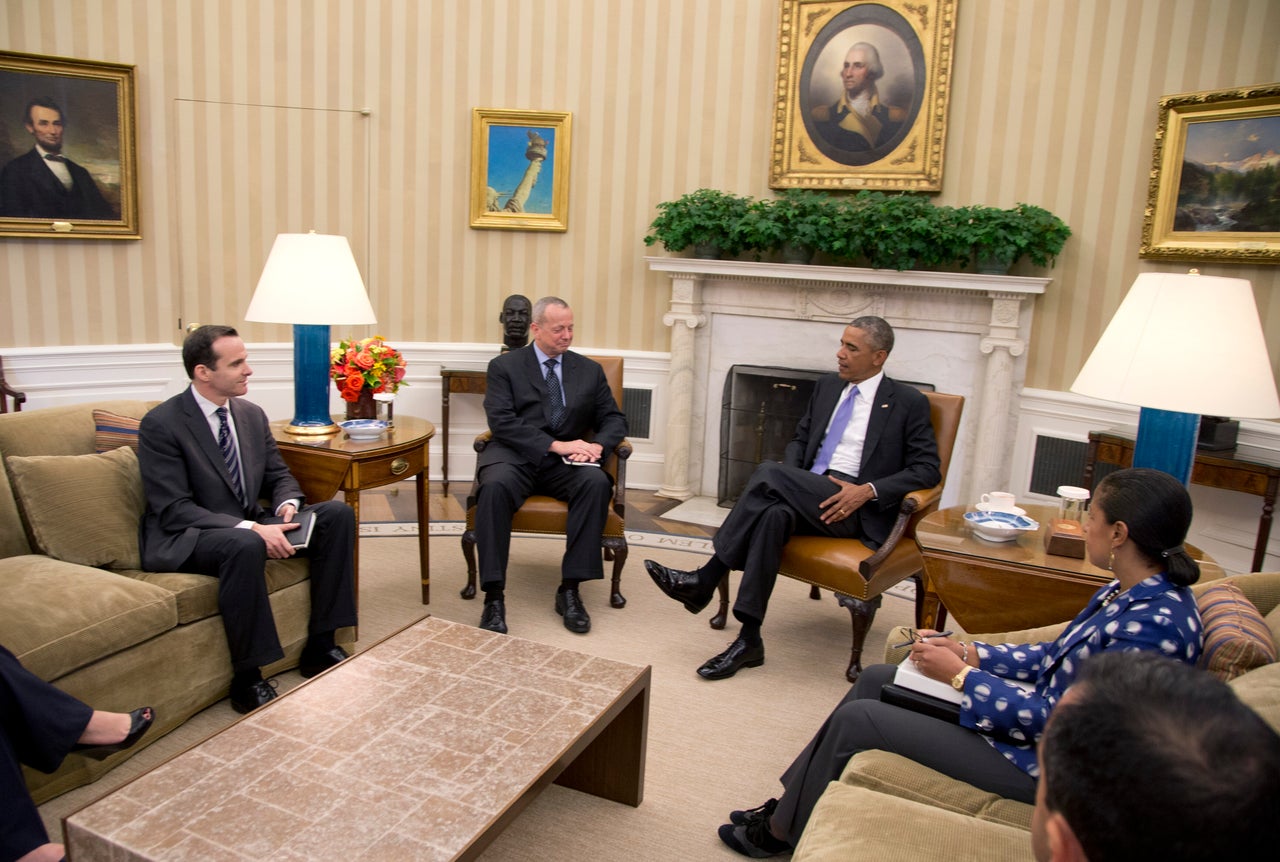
(834, 434)
(555, 398)
(229, 454)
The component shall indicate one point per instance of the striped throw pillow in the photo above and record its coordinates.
(111, 431)
(1236, 638)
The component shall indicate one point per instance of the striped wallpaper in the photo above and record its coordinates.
(354, 116)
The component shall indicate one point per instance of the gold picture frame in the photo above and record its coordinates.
(1205, 196)
(818, 141)
(85, 112)
(520, 169)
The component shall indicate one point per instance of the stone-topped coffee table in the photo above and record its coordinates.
(425, 746)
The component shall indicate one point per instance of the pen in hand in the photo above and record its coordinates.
(925, 637)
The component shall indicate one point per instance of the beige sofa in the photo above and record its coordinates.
(74, 605)
(888, 806)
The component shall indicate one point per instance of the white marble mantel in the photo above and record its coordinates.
(964, 333)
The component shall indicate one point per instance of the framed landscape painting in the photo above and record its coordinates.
(68, 165)
(862, 94)
(520, 169)
(1214, 177)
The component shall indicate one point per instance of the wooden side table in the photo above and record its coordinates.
(1248, 470)
(327, 463)
(1007, 586)
(464, 382)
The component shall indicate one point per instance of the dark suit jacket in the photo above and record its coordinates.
(899, 454)
(515, 404)
(186, 481)
(28, 189)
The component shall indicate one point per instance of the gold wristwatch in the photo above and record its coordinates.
(957, 681)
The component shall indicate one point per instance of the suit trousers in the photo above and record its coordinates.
(862, 722)
(40, 724)
(238, 558)
(503, 489)
(779, 501)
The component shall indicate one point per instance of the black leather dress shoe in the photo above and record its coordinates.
(248, 697)
(760, 812)
(737, 656)
(684, 587)
(139, 722)
(569, 605)
(494, 617)
(320, 662)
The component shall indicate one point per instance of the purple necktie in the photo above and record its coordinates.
(834, 434)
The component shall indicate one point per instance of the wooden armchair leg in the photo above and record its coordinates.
(814, 593)
(722, 615)
(469, 553)
(616, 550)
(862, 613)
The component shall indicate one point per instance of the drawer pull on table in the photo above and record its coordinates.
(398, 466)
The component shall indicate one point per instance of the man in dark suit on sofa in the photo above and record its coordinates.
(43, 183)
(863, 444)
(207, 459)
(542, 403)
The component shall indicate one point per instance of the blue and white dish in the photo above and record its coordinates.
(999, 526)
(364, 429)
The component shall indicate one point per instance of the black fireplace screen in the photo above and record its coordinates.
(758, 414)
(759, 411)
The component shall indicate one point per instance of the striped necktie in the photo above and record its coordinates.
(229, 454)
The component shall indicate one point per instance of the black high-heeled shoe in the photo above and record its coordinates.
(139, 723)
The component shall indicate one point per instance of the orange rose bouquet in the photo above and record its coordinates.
(369, 363)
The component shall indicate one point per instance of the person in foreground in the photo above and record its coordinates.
(39, 726)
(1135, 529)
(864, 443)
(207, 459)
(1148, 759)
(543, 402)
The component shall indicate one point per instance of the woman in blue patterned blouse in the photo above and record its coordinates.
(1135, 529)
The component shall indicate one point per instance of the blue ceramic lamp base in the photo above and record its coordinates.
(311, 380)
(1167, 441)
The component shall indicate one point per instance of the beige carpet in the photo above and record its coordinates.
(713, 746)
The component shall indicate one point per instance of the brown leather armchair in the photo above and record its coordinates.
(855, 573)
(541, 514)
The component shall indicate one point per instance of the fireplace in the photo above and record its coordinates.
(758, 417)
(966, 333)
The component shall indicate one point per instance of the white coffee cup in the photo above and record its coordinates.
(1000, 501)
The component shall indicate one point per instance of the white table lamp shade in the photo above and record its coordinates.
(1187, 343)
(310, 278)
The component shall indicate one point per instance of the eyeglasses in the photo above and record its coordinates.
(916, 637)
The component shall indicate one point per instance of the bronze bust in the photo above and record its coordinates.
(515, 315)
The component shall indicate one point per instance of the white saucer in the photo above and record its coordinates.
(1013, 510)
(364, 429)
